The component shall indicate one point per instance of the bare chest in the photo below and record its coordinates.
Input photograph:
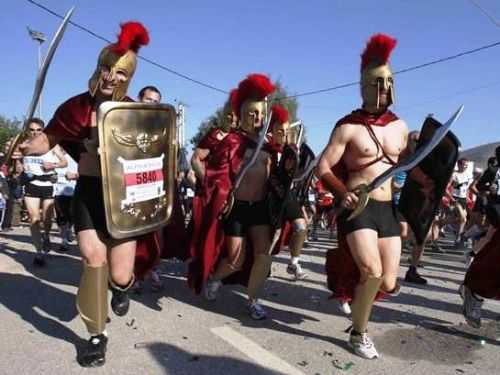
(388, 140)
(261, 164)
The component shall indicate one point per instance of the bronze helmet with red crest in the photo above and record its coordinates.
(120, 57)
(377, 82)
(279, 125)
(249, 103)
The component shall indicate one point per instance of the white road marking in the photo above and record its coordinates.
(254, 351)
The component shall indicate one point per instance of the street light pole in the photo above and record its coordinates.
(39, 37)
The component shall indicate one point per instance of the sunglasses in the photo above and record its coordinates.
(36, 130)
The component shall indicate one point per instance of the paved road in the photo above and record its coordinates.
(421, 331)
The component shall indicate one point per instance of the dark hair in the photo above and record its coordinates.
(497, 150)
(150, 88)
(38, 121)
(492, 160)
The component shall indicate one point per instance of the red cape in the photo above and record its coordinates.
(483, 276)
(71, 124)
(207, 236)
(175, 236)
(342, 272)
(207, 228)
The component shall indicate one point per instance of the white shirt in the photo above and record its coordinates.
(462, 181)
(33, 165)
(63, 186)
(497, 182)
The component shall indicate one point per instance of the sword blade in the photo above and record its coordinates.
(412, 161)
(42, 73)
(40, 81)
(262, 139)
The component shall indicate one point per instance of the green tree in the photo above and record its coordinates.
(8, 128)
(217, 119)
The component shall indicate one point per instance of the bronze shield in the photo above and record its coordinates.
(417, 207)
(137, 147)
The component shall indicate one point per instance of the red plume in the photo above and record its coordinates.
(132, 36)
(378, 49)
(255, 86)
(233, 99)
(280, 115)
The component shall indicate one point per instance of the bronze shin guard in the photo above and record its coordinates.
(230, 265)
(92, 298)
(297, 242)
(225, 269)
(361, 306)
(258, 274)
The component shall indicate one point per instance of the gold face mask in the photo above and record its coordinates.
(280, 133)
(293, 135)
(252, 116)
(125, 65)
(377, 88)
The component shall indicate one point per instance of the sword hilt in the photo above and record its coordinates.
(362, 192)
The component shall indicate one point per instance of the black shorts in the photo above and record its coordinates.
(87, 206)
(462, 202)
(292, 211)
(244, 215)
(35, 191)
(63, 209)
(377, 215)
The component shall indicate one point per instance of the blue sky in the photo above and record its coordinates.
(308, 45)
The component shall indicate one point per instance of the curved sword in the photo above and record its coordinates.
(226, 210)
(40, 81)
(410, 162)
(260, 143)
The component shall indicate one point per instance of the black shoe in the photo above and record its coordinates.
(39, 261)
(120, 302)
(94, 353)
(412, 276)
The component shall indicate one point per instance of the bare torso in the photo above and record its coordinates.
(253, 186)
(89, 161)
(361, 149)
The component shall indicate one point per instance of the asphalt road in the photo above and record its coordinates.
(173, 331)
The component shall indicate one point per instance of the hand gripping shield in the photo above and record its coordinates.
(137, 147)
(281, 182)
(417, 205)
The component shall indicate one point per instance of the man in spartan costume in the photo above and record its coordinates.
(363, 145)
(231, 242)
(294, 230)
(74, 127)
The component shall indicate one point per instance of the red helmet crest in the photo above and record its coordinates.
(378, 49)
(280, 115)
(254, 86)
(132, 36)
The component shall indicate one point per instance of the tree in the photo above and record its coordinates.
(8, 129)
(217, 119)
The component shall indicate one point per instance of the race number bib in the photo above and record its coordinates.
(143, 179)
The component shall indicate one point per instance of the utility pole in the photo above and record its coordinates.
(181, 122)
(39, 37)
